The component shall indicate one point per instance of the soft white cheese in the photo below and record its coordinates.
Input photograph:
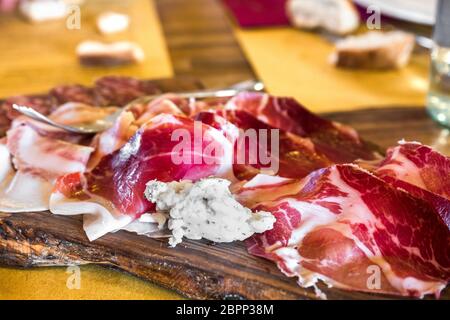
(206, 209)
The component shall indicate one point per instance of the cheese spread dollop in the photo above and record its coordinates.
(205, 209)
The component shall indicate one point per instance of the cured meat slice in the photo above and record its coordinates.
(355, 231)
(38, 160)
(72, 113)
(45, 104)
(261, 147)
(421, 171)
(168, 148)
(74, 93)
(129, 121)
(340, 143)
(418, 165)
(264, 188)
(118, 91)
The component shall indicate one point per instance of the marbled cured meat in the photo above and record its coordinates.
(341, 144)
(292, 157)
(421, 171)
(344, 223)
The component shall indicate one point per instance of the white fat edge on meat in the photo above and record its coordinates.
(28, 148)
(261, 180)
(231, 105)
(404, 168)
(149, 224)
(25, 190)
(225, 169)
(20, 192)
(6, 169)
(265, 189)
(205, 209)
(98, 217)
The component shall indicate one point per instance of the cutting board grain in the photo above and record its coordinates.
(196, 269)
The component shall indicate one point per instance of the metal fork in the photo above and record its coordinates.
(103, 124)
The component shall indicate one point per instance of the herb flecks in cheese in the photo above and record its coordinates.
(206, 209)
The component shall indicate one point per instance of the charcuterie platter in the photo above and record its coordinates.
(234, 269)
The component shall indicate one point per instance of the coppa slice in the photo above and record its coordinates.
(341, 144)
(286, 154)
(421, 171)
(167, 148)
(345, 224)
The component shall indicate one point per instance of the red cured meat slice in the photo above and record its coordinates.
(421, 171)
(291, 157)
(345, 220)
(341, 144)
(419, 165)
(119, 179)
(129, 121)
(118, 91)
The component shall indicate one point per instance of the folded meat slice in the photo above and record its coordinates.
(31, 163)
(167, 148)
(72, 113)
(421, 171)
(261, 147)
(340, 143)
(354, 231)
(129, 121)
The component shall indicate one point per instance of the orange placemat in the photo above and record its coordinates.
(295, 63)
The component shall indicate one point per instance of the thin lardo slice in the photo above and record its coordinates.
(374, 50)
(335, 16)
(39, 157)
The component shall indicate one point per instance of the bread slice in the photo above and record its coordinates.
(112, 22)
(374, 50)
(109, 54)
(336, 16)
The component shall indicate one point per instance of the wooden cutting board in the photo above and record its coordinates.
(196, 269)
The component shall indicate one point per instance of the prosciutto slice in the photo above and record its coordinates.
(421, 171)
(167, 148)
(341, 144)
(129, 121)
(354, 231)
(286, 154)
